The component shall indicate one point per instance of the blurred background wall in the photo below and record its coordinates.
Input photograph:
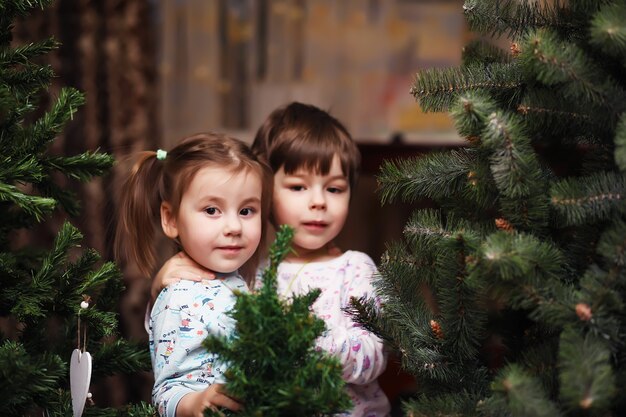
(229, 63)
(156, 70)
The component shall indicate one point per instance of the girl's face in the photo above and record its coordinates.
(315, 205)
(219, 219)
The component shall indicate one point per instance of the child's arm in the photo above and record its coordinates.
(170, 361)
(179, 266)
(361, 353)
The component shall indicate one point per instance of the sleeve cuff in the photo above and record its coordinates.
(172, 403)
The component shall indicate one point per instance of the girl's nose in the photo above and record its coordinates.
(317, 202)
(232, 226)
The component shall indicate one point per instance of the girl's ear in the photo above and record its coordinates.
(168, 220)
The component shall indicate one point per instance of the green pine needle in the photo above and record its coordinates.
(83, 167)
(15, 8)
(612, 244)
(22, 55)
(548, 59)
(514, 164)
(366, 313)
(513, 18)
(471, 113)
(93, 280)
(76, 271)
(52, 123)
(435, 175)
(437, 89)
(519, 257)
(518, 394)
(480, 52)
(443, 405)
(586, 378)
(588, 199)
(608, 30)
(120, 357)
(27, 379)
(38, 207)
(65, 197)
(620, 143)
(547, 113)
(26, 82)
(26, 169)
(68, 237)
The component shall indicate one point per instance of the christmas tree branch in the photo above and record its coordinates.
(593, 198)
(436, 90)
(513, 18)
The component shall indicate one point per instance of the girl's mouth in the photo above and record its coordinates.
(230, 249)
(315, 226)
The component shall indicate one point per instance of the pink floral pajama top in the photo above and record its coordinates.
(360, 352)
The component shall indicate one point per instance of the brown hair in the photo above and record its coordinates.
(153, 181)
(303, 136)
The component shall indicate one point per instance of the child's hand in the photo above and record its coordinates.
(179, 266)
(194, 403)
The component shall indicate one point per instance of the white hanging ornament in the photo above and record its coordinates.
(80, 377)
(80, 371)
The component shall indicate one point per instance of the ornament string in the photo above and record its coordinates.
(82, 327)
(84, 335)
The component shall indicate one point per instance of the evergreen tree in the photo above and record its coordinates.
(525, 254)
(42, 289)
(272, 363)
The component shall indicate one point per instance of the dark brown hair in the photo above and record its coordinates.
(153, 181)
(303, 136)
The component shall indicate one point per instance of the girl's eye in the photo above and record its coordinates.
(246, 212)
(211, 211)
(296, 187)
(335, 190)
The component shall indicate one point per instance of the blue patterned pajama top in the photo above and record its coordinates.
(183, 315)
